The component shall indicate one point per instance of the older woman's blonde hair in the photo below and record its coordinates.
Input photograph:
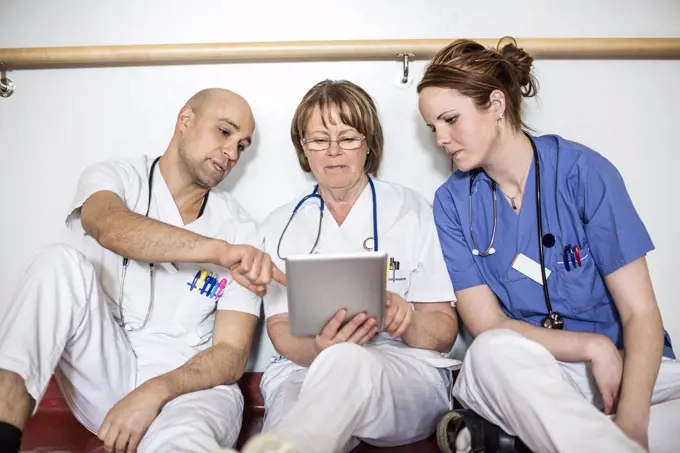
(356, 109)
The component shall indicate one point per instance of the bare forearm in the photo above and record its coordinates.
(108, 220)
(643, 346)
(218, 365)
(298, 349)
(141, 238)
(631, 288)
(480, 310)
(434, 331)
(566, 346)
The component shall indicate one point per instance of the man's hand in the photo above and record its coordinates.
(635, 427)
(360, 329)
(250, 267)
(127, 421)
(398, 316)
(606, 364)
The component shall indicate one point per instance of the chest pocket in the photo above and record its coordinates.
(578, 286)
(199, 291)
(524, 295)
(398, 273)
(399, 264)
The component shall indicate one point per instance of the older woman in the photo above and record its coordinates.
(326, 393)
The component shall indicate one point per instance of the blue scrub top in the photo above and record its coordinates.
(584, 202)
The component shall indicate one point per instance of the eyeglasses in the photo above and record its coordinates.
(322, 144)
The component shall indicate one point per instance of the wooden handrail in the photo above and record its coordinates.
(154, 54)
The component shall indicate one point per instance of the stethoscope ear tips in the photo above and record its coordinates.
(475, 252)
(492, 251)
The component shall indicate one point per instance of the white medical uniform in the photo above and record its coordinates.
(64, 315)
(385, 393)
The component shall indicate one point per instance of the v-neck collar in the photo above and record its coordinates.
(166, 209)
(527, 215)
(520, 226)
(358, 225)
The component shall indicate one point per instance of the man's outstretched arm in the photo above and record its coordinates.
(106, 218)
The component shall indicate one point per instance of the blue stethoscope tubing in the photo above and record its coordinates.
(315, 194)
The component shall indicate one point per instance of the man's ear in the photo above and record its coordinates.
(184, 118)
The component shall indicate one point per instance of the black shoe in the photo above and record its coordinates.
(485, 437)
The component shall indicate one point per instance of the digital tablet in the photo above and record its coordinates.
(319, 285)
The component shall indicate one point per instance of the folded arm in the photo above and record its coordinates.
(480, 311)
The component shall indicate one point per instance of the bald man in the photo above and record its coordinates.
(147, 326)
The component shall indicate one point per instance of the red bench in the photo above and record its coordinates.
(53, 428)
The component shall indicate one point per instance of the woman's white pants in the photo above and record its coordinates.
(377, 394)
(552, 406)
(59, 320)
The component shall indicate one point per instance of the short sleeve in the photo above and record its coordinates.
(430, 281)
(616, 234)
(112, 176)
(276, 300)
(242, 229)
(460, 264)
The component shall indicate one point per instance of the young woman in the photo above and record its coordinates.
(547, 256)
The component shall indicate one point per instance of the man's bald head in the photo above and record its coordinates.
(213, 128)
(209, 97)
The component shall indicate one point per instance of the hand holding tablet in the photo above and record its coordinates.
(360, 329)
(327, 291)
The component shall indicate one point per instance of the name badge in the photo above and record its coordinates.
(530, 268)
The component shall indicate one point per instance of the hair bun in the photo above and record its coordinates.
(521, 63)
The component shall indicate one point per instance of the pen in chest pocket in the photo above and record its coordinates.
(208, 284)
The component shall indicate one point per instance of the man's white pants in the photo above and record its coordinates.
(59, 320)
(377, 394)
(516, 383)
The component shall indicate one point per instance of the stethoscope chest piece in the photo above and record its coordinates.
(369, 244)
(554, 321)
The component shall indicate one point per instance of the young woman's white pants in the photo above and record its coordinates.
(377, 394)
(552, 406)
(59, 320)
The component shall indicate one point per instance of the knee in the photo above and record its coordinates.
(495, 348)
(60, 256)
(349, 357)
(206, 418)
(344, 354)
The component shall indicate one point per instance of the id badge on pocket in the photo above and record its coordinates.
(530, 268)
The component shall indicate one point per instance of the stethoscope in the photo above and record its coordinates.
(553, 320)
(152, 268)
(315, 194)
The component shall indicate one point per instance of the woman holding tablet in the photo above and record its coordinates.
(326, 393)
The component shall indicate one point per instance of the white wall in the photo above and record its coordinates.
(58, 121)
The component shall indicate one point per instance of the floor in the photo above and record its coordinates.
(54, 429)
